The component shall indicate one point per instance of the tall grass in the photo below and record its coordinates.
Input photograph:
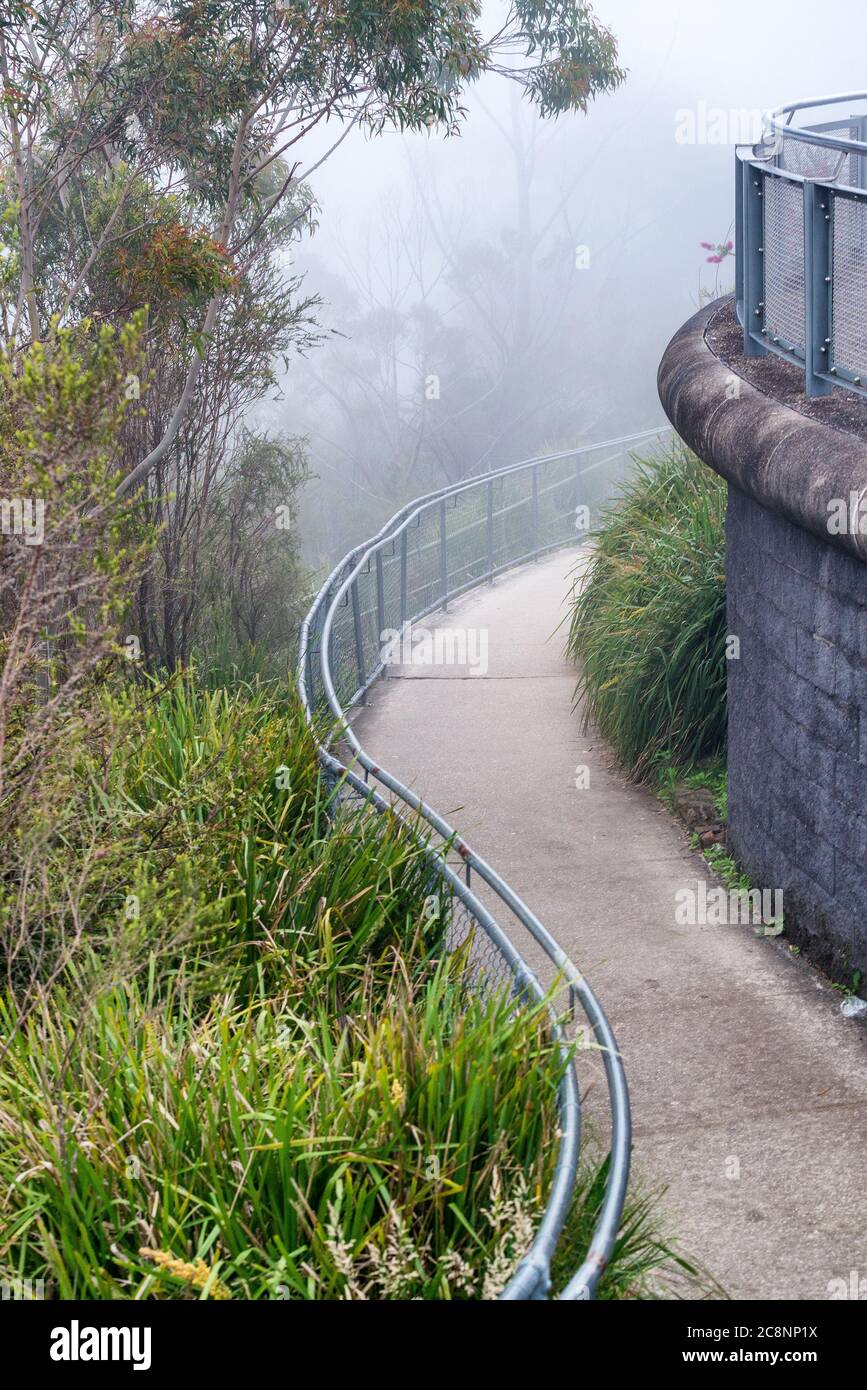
(283, 1150)
(238, 1062)
(648, 622)
(258, 1074)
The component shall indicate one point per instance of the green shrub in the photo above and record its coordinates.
(648, 623)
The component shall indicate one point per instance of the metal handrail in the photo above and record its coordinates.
(814, 135)
(340, 594)
(801, 244)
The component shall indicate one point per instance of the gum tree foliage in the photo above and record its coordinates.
(153, 154)
(246, 574)
(63, 405)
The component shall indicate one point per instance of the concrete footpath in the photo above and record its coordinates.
(749, 1089)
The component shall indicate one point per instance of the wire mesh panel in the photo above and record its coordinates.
(424, 569)
(487, 969)
(784, 261)
(390, 568)
(467, 538)
(342, 655)
(558, 495)
(801, 261)
(849, 285)
(818, 161)
(513, 519)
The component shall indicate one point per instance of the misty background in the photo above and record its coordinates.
(510, 290)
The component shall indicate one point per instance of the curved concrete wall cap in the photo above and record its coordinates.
(795, 466)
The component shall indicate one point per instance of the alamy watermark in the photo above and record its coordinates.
(440, 646)
(848, 516)
(854, 1288)
(77, 1343)
(702, 906)
(22, 1290)
(23, 516)
(704, 124)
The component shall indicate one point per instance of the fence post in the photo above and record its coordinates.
(359, 640)
(860, 133)
(490, 492)
(752, 252)
(311, 694)
(380, 601)
(739, 237)
(444, 559)
(535, 478)
(380, 595)
(403, 585)
(817, 287)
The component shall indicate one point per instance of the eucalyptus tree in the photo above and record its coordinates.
(126, 124)
(157, 155)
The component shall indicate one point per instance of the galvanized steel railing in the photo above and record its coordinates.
(433, 550)
(801, 243)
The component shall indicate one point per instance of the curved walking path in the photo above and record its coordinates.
(749, 1089)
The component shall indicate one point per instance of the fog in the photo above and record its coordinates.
(510, 290)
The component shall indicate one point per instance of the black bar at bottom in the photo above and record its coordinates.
(195, 1339)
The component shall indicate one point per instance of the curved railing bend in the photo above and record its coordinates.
(801, 242)
(433, 550)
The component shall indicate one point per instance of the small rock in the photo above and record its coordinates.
(854, 1007)
(695, 806)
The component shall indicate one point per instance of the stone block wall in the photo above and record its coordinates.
(798, 728)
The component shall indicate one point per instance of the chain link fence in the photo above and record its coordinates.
(431, 552)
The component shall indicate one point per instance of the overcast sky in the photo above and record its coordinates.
(680, 55)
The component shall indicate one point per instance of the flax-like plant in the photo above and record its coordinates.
(235, 1060)
(282, 1145)
(648, 619)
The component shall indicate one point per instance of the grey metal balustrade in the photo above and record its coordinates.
(801, 242)
(433, 550)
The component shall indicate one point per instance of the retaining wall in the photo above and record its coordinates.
(797, 602)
